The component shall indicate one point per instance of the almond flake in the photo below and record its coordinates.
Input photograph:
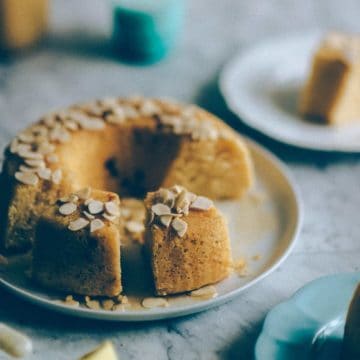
(95, 207)
(111, 218)
(27, 178)
(24, 169)
(207, 292)
(182, 203)
(14, 146)
(96, 224)
(134, 226)
(71, 125)
(52, 158)
(201, 203)
(57, 176)
(166, 220)
(160, 209)
(151, 217)
(84, 194)
(153, 302)
(78, 224)
(180, 226)
(26, 137)
(92, 124)
(44, 174)
(67, 208)
(112, 208)
(60, 135)
(130, 112)
(166, 197)
(176, 189)
(71, 198)
(46, 148)
(37, 163)
(88, 215)
(149, 108)
(30, 155)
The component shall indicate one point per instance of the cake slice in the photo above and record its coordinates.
(187, 241)
(332, 92)
(351, 344)
(77, 245)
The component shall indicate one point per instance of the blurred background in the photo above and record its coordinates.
(75, 59)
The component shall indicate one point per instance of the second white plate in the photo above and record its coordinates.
(261, 85)
(263, 228)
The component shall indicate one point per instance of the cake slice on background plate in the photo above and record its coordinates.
(331, 94)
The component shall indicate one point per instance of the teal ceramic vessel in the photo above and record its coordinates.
(311, 324)
(145, 31)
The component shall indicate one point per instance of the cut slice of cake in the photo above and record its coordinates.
(332, 92)
(187, 241)
(351, 344)
(77, 245)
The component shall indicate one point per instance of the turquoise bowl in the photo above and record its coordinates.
(310, 325)
(146, 30)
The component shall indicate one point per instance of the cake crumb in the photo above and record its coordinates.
(240, 267)
(258, 197)
(256, 257)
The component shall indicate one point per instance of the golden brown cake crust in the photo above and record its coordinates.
(185, 262)
(77, 262)
(128, 146)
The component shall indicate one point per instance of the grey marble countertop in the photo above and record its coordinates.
(74, 64)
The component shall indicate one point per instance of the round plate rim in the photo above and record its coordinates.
(166, 313)
(225, 78)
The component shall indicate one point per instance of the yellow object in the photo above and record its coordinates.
(105, 351)
(22, 22)
(332, 92)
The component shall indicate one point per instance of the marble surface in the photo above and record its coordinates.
(75, 64)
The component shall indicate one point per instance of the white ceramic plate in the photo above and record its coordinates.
(261, 85)
(263, 228)
(310, 325)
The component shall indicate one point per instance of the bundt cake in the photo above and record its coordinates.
(186, 239)
(332, 92)
(77, 244)
(128, 146)
(351, 343)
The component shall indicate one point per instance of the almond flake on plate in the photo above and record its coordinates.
(153, 302)
(205, 292)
